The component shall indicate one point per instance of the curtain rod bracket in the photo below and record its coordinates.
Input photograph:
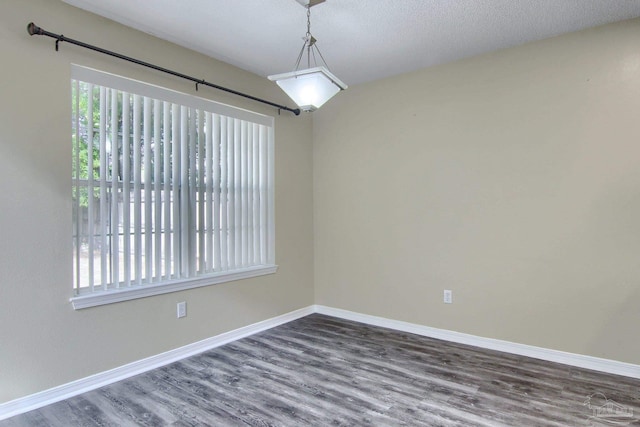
(33, 29)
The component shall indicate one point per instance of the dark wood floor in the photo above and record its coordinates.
(320, 371)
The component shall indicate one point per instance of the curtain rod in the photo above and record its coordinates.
(33, 29)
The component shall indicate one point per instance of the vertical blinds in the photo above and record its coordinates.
(166, 186)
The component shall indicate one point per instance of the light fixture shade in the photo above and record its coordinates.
(309, 88)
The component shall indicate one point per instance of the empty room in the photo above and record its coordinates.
(320, 212)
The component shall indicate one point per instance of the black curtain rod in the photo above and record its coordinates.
(33, 29)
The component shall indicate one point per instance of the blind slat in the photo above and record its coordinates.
(250, 186)
(147, 201)
(208, 202)
(224, 194)
(192, 191)
(217, 217)
(200, 175)
(168, 194)
(176, 151)
(237, 191)
(126, 186)
(157, 190)
(269, 225)
(90, 193)
(103, 176)
(137, 196)
(184, 189)
(256, 194)
(115, 190)
(231, 197)
(244, 202)
(263, 197)
(76, 187)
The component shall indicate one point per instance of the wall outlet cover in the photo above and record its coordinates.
(448, 296)
(182, 309)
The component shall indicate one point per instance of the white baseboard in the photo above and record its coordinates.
(572, 359)
(93, 382)
(65, 391)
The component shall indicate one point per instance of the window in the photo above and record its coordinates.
(170, 191)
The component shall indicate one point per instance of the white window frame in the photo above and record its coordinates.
(100, 295)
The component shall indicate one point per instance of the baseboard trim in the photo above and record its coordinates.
(65, 391)
(572, 359)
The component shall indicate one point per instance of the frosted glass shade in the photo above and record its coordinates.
(309, 88)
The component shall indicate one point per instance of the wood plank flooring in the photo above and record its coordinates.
(321, 371)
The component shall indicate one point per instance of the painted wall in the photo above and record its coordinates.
(43, 341)
(512, 179)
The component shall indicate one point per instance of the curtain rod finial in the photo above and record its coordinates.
(33, 29)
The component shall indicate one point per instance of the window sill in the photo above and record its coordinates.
(134, 292)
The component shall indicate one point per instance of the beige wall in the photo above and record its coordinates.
(512, 179)
(43, 341)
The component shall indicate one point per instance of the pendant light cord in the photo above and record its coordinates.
(309, 44)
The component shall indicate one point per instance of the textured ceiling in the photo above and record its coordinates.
(361, 40)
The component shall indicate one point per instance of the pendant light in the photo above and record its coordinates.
(311, 87)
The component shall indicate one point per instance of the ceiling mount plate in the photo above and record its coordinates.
(310, 3)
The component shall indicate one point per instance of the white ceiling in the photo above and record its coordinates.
(361, 40)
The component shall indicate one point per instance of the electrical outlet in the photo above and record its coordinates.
(448, 296)
(182, 309)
